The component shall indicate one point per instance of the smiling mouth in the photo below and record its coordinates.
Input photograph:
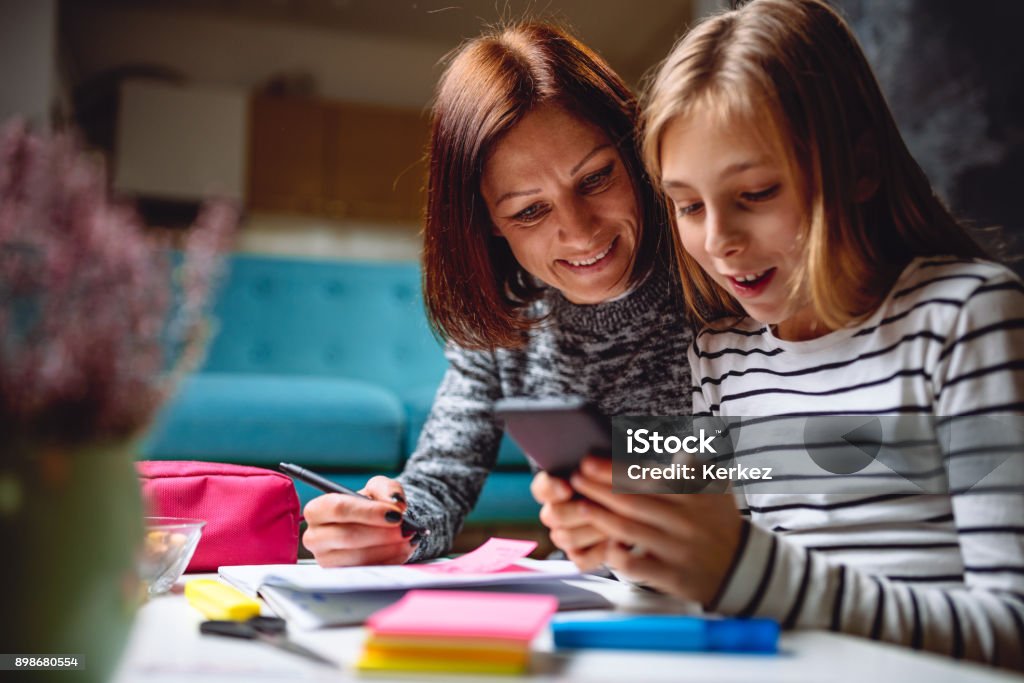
(593, 260)
(751, 283)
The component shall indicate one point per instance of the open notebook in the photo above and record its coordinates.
(314, 596)
(499, 560)
(313, 578)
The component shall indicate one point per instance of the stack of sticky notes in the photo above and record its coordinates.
(456, 631)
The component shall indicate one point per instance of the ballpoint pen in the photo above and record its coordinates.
(326, 485)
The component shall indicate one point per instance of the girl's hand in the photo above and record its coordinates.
(582, 542)
(345, 530)
(681, 544)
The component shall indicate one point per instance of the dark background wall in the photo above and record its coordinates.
(953, 71)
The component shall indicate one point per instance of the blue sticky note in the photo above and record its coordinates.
(668, 632)
(743, 635)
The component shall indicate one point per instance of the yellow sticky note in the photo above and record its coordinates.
(377, 661)
(218, 600)
(452, 653)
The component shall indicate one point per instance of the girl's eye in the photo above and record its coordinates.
(597, 179)
(761, 195)
(688, 209)
(530, 213)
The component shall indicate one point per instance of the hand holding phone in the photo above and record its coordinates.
(556, 433)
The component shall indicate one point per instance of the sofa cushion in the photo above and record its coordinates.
(353, 481)
(505, 499)
(510, 456)
(417, 402)
(417, 408)
(307, 317)
(327, 422)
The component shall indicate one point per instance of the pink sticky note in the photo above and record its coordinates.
(465, 614)
(493, 556)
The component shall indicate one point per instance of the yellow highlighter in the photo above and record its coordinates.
(218, 600)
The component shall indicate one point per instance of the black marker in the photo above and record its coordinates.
(328, 486)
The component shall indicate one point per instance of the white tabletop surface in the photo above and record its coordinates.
(166, 646)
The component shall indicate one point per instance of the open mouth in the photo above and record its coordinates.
(750, 284)
(593, 261)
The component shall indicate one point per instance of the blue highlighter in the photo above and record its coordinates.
(669, 632)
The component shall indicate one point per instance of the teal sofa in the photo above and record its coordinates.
(327, 364)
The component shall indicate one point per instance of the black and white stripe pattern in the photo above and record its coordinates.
(938, 572)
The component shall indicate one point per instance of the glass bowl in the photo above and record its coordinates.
(166, 551)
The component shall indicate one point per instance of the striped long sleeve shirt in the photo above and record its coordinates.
(942, 572)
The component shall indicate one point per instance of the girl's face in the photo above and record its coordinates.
(558, 192)
(740, 216)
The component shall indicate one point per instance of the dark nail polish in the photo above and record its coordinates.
(397, 497)
(415, 540)
(393, 516)
(406, 533)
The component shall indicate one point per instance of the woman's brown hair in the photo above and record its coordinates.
(477, 295)
(793, 70)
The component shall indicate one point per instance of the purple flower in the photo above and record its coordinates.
(97, 318)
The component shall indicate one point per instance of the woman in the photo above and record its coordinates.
(546, 269)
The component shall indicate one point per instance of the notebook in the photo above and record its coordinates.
(497, 561)
(310, 610)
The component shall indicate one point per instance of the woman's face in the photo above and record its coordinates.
(740, 216)
(558, 193)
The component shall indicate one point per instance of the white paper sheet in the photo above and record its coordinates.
(314, 578)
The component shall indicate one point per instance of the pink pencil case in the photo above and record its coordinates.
(251, 513)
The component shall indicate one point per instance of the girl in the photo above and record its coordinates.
(548, 270)
(831, 281)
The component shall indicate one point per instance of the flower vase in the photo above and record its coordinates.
(71, 521)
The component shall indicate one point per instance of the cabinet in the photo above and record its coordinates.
(286, 155)
(336, 159)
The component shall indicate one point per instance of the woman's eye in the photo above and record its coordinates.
(597, 179)
(761, 195)
(530, 213)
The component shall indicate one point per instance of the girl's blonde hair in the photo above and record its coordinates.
(793, 70)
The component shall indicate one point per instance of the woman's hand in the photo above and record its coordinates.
(582, 542)
(681, 544)
(345, 530)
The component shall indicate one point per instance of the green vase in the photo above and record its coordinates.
(71, 521)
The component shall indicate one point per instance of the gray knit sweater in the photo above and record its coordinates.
(627, 356)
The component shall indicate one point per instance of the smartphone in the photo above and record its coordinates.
(556, 433)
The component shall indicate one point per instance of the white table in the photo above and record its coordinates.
(166, 647)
